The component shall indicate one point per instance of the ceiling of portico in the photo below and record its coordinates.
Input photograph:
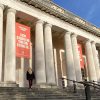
(30, 21)
(57, 32)
(81, 39)
(26, 19)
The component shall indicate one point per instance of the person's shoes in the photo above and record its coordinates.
(30, 88)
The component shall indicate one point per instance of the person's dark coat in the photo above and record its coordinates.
(30, 76)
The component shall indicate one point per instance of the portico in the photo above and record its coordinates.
(48, 33)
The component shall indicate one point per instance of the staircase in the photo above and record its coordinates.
(16, 93)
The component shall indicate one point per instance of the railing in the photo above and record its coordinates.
(86, 84)
(96, 82)
(93, 84)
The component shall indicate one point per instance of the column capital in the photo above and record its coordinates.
(67, 32)
(40, 21)
(74, 35)
(47, 24)
(11, 10)
(88, 40)
(2, 6)
(93, 42)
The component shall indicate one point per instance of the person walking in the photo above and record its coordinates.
(30, 76)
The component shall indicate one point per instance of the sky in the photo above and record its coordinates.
(89, 10)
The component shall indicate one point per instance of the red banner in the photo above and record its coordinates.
(22, 41)
(80, 55)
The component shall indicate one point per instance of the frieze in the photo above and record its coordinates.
(50, 7)
(58, 9)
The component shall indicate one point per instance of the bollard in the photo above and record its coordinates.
(94, 85)
(63, 83)
(74, 86)
(87, 90)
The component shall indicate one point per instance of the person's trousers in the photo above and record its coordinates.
(30, 83)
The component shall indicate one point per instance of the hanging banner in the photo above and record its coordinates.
(80, 55)
(22, 41)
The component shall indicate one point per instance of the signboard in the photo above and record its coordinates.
(22, 41)
(80, 55)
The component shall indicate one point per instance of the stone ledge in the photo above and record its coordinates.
(44, 86)
(8, 84)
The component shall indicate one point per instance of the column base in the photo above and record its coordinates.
(51, 86)
(8, 84)
(70, 88)
(80, 86)
(75, 88)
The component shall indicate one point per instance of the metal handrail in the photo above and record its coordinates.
(95, 85)
(96, 82)
(85, 83)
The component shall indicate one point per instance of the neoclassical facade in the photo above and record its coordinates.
(55, 35)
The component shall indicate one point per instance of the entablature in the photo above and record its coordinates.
(49, 7)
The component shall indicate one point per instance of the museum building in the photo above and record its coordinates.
(54, 42)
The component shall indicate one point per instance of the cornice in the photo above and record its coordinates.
(53, 9)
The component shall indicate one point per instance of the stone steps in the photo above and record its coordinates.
(17, 93)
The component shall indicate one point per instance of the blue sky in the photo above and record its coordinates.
(86, 9)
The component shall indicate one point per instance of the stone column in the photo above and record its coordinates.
(39, 54)
(96, 61)
(10, 48)
(90, 61)
(50, 72)
(1, 38)
(55, 64)
(22, 74)
(69, 59)
(76, 58)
